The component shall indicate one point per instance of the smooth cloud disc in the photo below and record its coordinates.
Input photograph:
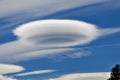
(7, 68)
(56, 33)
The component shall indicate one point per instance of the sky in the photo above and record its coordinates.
(59, 40)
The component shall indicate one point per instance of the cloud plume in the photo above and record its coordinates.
(108, 31)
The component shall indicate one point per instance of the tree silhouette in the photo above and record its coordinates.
(115, 73)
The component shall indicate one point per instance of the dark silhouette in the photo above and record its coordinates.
(115, 73)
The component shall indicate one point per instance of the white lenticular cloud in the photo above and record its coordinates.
(45, 37)
(56, 33)
(35, 72)
(50, 37)
(83, 76)
(8, 68)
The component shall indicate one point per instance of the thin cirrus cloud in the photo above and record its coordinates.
(49, 37)
(83, 76)
(35, 72)
(108, 31)
(41, 7)
(60, 53)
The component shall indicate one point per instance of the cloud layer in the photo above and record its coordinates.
(83, 76)
(39, 6)
(8, 68)
(22, 54)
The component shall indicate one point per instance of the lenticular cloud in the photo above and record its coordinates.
(8, 68)
(56, 33)
(84, 76)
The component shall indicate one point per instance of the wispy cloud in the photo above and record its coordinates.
(35, 72)
(83, 76)
(40, 6)
(108, 31)
(60, 53)
(78, 54)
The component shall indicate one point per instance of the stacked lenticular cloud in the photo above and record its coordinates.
(56, 33)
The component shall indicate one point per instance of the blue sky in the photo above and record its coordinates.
(92, 56)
